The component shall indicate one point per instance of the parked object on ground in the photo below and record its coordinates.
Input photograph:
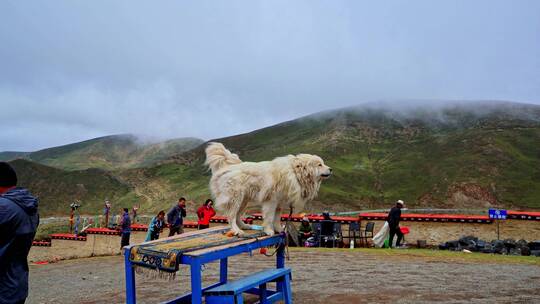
(381, 236)
(367, 233)
(507, 246)
(405, 230)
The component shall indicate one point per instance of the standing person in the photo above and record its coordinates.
(175, 217)
(106, 212)
(155, 226)
(327, 236)
(393, 223)
(205, 213)
(125, 228)
(134, 210)
(19, 220)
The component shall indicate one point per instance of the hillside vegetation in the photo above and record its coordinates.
(57, 188)
(460, 155)
(109, 153)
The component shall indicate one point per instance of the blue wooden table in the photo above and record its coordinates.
(195, 259)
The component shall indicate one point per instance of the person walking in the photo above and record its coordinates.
(19, 220)
(205, 213)
(393, 219)
(175, 217)
(156, 224)
(125, 228)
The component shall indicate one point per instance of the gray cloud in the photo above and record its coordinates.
(75, 70)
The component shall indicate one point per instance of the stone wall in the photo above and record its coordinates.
(435, 233)
(95, 245)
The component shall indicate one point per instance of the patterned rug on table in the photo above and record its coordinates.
(164, 255)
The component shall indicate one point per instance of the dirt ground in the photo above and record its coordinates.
(319, 276)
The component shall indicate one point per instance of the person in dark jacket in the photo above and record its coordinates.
(125, 228)
(175, 217)
(327, 238)
(393, 223)
(19, 220)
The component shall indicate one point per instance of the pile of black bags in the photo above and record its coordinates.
(508, 246)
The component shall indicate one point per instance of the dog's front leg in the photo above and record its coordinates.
(233, 214)
(239, 221)
(277, 221)
(269, 213)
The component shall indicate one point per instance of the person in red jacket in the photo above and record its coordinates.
(205, 213)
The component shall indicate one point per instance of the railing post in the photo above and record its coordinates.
(130, 278)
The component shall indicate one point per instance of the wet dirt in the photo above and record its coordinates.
(319, 276)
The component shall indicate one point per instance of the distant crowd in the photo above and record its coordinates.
(19, 220)
(174, 218)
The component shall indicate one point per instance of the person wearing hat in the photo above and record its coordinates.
(19, 220)
(305, 231)
(393, 223)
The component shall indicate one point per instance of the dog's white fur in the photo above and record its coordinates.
(288, 181)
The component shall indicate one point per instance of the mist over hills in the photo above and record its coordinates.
(108, 152)
(470, 155)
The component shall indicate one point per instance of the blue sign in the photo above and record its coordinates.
(497, 214)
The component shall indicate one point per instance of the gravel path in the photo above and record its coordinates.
(319, 276)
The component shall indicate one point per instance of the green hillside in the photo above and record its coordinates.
(57, 188)
(460, 156)
(11, 155)
(467, 156)
(109, 153)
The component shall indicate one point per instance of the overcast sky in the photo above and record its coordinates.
(73, 70)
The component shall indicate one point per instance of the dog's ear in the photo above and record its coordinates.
(304, 174)
(299, 164)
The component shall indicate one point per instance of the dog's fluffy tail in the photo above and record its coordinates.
(217, 157)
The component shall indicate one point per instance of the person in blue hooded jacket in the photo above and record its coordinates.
(156, 224)
(19, 220)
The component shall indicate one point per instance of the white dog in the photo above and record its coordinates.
(284, 182)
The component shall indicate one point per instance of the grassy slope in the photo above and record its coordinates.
(436, 256)
(491, 160)
(109, 153)
(57, 189)
(461, 159)
(11, 155)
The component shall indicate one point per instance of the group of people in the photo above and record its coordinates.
(175, 219)
(306, 233)
(19, 220)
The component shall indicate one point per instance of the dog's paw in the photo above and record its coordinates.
(278, 228)
(244, 226)
(239, 232)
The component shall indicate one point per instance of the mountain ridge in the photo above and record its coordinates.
(111, 152)
(468, 156)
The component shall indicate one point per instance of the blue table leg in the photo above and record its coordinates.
(280, 263)
(196, 282)
(280, 256)
(287, 292)
(262, 294)
(130, 278)
(223, 270)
